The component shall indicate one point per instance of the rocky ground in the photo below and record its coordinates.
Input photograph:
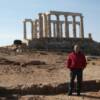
(41, 75)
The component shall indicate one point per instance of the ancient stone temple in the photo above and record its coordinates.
(48, 27)
(57, 30)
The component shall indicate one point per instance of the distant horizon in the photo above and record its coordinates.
(14, 12)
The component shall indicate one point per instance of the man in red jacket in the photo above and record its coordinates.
(76, 62)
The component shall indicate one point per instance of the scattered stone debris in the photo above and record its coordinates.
(93, 63)
(4, 61)
(34, 62)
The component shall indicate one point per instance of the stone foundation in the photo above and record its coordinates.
(64, 44)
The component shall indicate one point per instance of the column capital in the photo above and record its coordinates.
(56, 15)
(48, 14)
(65, 15)
(74, 16)
(40, 14)
(44, 14)
(81, 16)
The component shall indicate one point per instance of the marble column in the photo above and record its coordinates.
(40, 25)
(60, 30)
(34, 33)
(45, 25)
(54, 29)
(74, 27)
(32, 30)
(58, 33)
(25, 37)
(81, 27)
(35, 29)
(49, 25)
(66, 27)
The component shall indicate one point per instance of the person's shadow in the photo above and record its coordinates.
(91, 86)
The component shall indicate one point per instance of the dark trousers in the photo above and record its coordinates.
(73, 74)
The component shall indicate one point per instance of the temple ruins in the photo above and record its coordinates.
(57, 30)
(47, 27)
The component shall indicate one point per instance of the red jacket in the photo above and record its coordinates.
(76, 61)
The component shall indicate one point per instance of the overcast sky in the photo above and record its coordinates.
(13, 12)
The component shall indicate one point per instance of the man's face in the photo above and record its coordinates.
(76, 49)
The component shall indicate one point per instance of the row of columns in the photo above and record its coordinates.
(66, 27)
(42, 27)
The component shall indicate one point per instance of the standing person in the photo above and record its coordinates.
(76, 62)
